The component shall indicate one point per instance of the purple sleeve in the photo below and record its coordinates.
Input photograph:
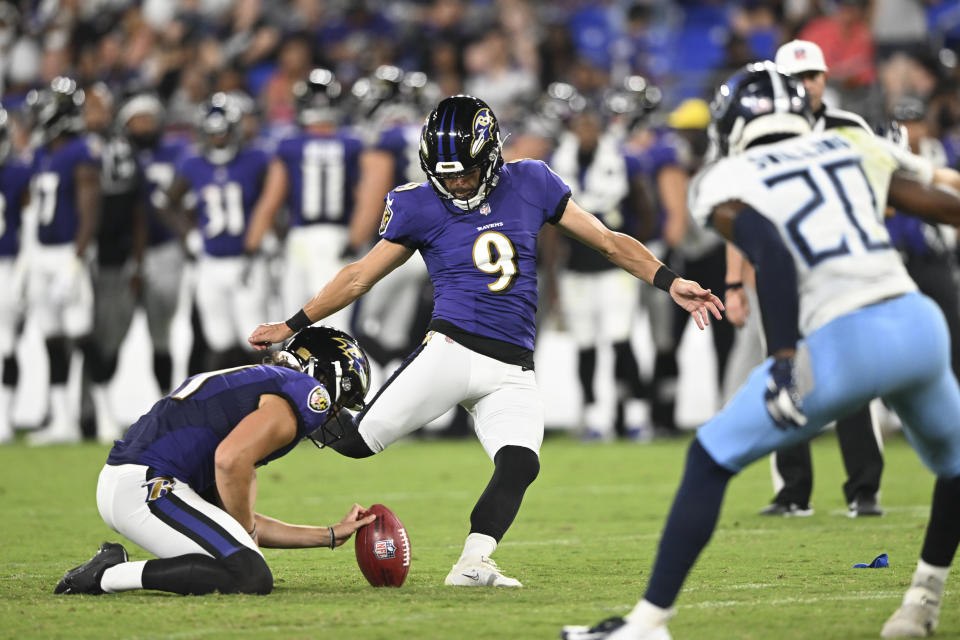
(183, 165)
(309, 400)
(90, 151)
(399, 222)
(391, 140)
(634, 164)
(555, 192)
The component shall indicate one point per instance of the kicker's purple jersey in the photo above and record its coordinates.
(323, 172)
(53, 187)
(180, 434)
(158, 167)
(225, 196)
(483, 262)
(403, 143)
(14, 181)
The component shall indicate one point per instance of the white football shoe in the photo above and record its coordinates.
(615, 629)
(478, 572)
(917, 617)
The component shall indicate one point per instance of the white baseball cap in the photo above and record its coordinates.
(798, 56)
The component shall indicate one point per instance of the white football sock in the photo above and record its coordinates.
(647, 615)
(125, 576)
(477, 545)
(925, 571)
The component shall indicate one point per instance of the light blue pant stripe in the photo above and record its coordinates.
(898, 349)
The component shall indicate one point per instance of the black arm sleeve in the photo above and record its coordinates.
(776, 278)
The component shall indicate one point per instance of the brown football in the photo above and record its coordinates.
(383, 549)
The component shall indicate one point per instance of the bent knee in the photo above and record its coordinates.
(250, 573)
(520, 463)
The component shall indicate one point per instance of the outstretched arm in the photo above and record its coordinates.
(272, 426)
(936, 203)
(350, 283)
(632, 256)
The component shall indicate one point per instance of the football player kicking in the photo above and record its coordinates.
(807, 210)
(475, 222)
(182, 482)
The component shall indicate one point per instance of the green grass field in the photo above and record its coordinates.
(582, 545)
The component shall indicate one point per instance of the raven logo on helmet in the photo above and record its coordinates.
(354, 357)
(481, 131)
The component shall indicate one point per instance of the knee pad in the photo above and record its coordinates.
(517, 465)
(249, 571)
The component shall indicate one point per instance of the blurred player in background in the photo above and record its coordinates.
(598, 299)
(182, 483)
(316, 173)
(141, 120)
(226, 179)
(475, 223)
(663, 160)
(392, 104)
(928, 250)
(116, 270)
(14, 189)
(65, 201)
(807, 210)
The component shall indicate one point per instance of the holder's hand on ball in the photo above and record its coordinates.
(341, 532)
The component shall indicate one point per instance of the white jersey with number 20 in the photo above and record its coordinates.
(817, 188)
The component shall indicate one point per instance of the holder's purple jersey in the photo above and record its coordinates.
(14, 181)
(323, 172)
(158, 167)
(180, 434)
(53, 187)
(225, 196)
(482, 262)
(403, 143)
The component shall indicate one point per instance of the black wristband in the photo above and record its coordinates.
(299, 321)
(333, 537)
(664, 278)
(733, 286)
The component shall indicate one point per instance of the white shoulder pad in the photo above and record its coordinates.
(715, 184)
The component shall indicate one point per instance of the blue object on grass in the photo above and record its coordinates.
(879, 562)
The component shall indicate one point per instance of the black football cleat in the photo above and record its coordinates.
(864, 507)
(598, 631)
(86, 577)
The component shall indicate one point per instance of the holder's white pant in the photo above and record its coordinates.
(167, 521)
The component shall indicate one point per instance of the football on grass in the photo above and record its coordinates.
(383, 549)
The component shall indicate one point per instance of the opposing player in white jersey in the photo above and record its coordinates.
(807, 210)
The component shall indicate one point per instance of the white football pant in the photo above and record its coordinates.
(229, 309)
(502, 398)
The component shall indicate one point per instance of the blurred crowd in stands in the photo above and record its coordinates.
(189, 113)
